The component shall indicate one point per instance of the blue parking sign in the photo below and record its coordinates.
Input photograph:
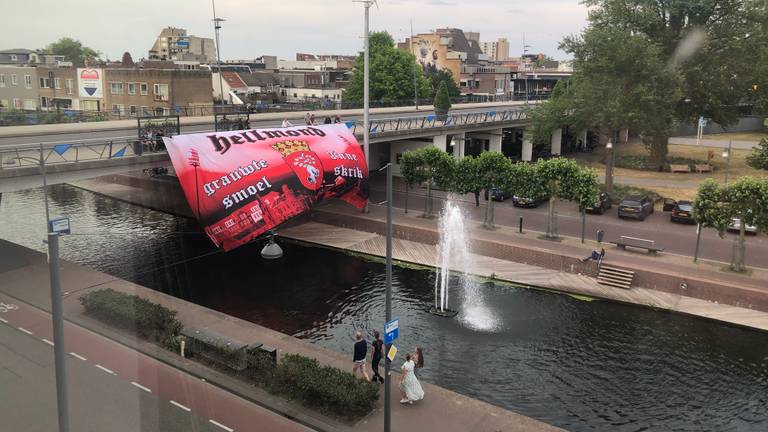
(391, 330)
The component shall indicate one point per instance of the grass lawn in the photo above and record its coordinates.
(736, 136)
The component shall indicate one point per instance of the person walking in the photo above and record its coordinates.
(377, 346)
(308, 119)
(360, 349)
(418, 360)
(312, 121)
(410, 388)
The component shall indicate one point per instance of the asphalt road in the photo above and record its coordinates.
(111, 387)
(131, 132)
(674, 237)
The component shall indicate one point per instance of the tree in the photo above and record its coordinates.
(467, 178)
(442, 101)
(446, 76)
(716, 206)
(428, 165)
(758, 159)
(72, 50)
(127, 60)
(391, 72)
(494, 173)
(560, 178)
(696, 52)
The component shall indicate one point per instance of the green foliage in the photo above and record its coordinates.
(323, 387)
(442, 100)
(131, 312)
(643, 162)
(428, 165)
(758, 159)
(446, 76)
(552, 114)
(621, 191)
(391, 73)
(55, 117)
(467, 178)
(13, 117)
(493, 169)
(72, 50)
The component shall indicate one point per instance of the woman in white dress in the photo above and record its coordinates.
(409, 384)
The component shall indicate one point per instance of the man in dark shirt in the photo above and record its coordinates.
(361, 349)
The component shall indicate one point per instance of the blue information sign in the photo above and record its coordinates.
(391, 330)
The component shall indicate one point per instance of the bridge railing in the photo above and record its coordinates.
(54, 153)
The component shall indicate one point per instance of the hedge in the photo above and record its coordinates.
(131, 312)
(643, 162)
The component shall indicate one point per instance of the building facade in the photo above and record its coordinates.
(58, 88)
(497, 50)
(19, 87)
(134, 91)
(175, 44)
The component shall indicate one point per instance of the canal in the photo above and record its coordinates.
(581, 365)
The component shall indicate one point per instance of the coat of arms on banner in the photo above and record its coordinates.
(304, 162)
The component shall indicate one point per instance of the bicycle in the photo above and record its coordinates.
(5, 307)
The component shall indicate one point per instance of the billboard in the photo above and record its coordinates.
(90, 82)
(241, 184)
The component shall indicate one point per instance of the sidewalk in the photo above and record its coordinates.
(27, 280)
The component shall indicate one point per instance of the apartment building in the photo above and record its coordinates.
(175, 44)
(447, 48)
(497, 50)
(57, 88)
(18, 87)
(135, 91)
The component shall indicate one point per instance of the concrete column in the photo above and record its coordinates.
(527, 155)
(495, 144)
(624, 136)
(583, 138)
(458, 146)
(557, 139)
(441, 142)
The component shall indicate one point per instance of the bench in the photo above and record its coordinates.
(638, 243)
(702, 168)
(679, 168)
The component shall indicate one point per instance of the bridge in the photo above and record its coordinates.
(462, 133)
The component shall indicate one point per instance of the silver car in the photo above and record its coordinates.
(735, 226)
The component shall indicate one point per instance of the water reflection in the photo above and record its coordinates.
(579, 365)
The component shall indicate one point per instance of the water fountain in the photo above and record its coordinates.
(452, 254)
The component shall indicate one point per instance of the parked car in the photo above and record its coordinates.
(526, 202)
(682, 212)
(498, 194)
(669, 204)
(603, 203)
(735, 226)
(636, 207)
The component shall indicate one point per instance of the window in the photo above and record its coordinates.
(14, 57)
(17, 103)
(144, 89)
(28, 81)
(2, 80)
(116, 88)
(118, 108)
(69, 86)
(57, 83)
(161, 92)
(131, 88)
(145, 110)
(45, 83)
(44, 102)
(14, 79)
(132, 109)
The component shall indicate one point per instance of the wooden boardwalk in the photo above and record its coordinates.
(508, 271)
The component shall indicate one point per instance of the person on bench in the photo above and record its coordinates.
(597, 256)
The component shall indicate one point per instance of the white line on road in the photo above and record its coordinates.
(105, 369)
(78, 356)
(47, 341)
(4, 320)
(141, 387)
(173, 402)
(228, 429)
(25, 330)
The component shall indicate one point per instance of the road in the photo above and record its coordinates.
(131, 132)
(675, 238)
(111, 387)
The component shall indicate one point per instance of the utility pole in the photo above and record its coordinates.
(525, 67)
(366, 88)
(57, 317)
(416, 64)
(216, 27)
(388, 305)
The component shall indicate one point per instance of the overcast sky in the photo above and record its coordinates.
(284, 27)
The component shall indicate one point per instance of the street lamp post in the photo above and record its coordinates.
(727, 155)
(216, 27)
(609, 167)
(388, 304)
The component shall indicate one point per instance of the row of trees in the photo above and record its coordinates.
(547, 179)
(645, 64)
(392, 74)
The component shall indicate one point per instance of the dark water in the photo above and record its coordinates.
(579, 365)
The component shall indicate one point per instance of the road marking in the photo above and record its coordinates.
(25, 330)
(47, 341)
(141, 387)
(78, 356)
(4, 320)
(228, 429)
(105, 369)
(173, 402)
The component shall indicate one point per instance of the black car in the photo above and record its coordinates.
(636, 207)
(682, 212)
(603, 203)
(498, 194)
(518, 201)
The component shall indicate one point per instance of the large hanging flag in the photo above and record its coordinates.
(243, 183)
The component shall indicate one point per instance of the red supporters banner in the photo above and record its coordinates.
(243, 183)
